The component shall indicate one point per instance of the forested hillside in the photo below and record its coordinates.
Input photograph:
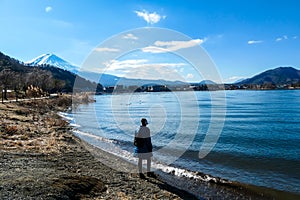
(37, 80)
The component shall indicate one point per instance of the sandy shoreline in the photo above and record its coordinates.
(42, 159)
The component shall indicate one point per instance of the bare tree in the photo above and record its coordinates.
(6, 80)
(58, 85)
(46, 81)
(41, 79)
(18, 83)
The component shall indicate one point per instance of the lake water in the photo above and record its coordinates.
(251, 137)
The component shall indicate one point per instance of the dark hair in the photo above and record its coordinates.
(144, 121)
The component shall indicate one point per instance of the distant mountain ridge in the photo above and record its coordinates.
(207, 82)
(53, 60)
(58, 74)
(104, 79)
(7, 62)
(110, 80)
(277, 76)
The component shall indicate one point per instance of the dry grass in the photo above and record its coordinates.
(33, 126)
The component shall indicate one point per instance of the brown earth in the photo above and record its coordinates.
(42, 159)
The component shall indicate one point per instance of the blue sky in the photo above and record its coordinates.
(242, 38)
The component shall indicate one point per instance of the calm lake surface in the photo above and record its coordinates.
(259, 140)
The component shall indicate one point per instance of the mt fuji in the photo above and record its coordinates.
(52, 59)
(105, 79)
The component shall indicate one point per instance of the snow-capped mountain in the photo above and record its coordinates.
(104, 79)
(52, 59)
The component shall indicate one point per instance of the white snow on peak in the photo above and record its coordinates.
(53, 60)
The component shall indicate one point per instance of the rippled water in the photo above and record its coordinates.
(259, 143)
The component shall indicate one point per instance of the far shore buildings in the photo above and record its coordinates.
(195, 87)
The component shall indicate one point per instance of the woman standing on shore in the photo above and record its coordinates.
(143, 147)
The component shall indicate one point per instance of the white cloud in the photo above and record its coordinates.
(153, 71)
(178, 44)
(137, 63)
(150, 18)
(189, 76)
(154, 49)
(130, 36)
(295, 37)
(106, 49)
(124, 64)
(142, 68)
(48, 9)
(169, 46)
(281, 38)
(254, 41)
